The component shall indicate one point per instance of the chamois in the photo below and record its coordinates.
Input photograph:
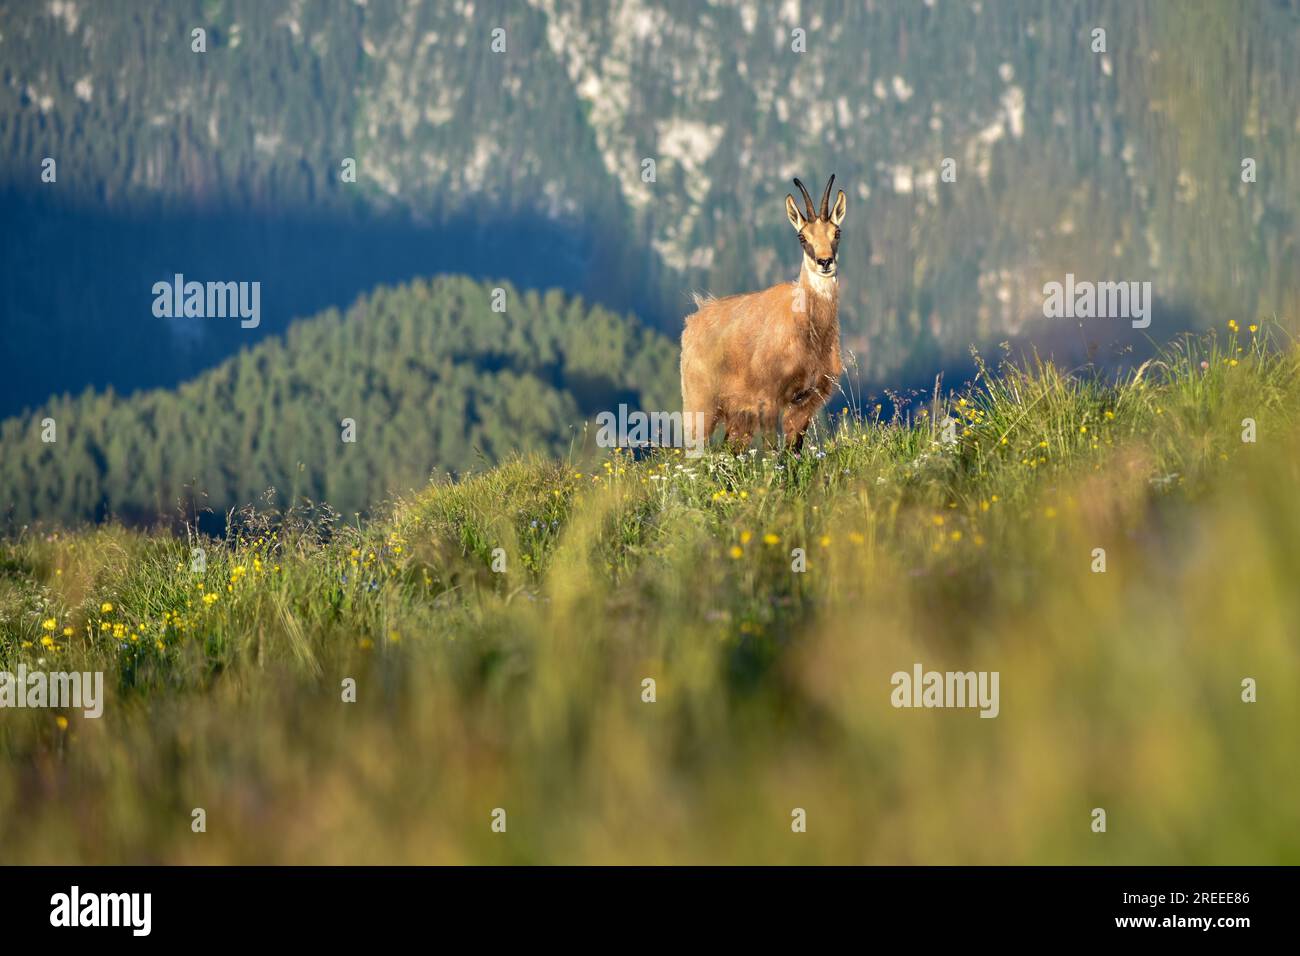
(769, 360)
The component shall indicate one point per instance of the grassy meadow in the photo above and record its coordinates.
(523, 689)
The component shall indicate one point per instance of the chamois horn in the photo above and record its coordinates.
(826, 198)
(807, 200)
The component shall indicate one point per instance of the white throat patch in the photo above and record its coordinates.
(821, 285)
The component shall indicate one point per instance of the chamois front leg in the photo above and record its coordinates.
(741, 425)
(795, 423)
(803, 407)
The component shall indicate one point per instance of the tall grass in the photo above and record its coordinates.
(523, 690)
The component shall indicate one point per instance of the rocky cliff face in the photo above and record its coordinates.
(986, 148)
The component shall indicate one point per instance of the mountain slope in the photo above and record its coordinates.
(1124, 164)
(431, 376)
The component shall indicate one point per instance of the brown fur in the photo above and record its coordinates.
(769, 360)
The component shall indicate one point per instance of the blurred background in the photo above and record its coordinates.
(524, 169)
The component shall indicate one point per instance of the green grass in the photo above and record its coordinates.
(523, 689)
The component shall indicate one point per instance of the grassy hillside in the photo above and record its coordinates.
(430, 374)
(523, 690)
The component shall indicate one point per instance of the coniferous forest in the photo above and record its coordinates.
(435, 376)
(632, 153)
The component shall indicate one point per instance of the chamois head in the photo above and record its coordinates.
(819, 233)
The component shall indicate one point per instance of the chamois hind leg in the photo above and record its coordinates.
(697, 427)
(699, 411)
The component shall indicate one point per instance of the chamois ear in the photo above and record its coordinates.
(793, 214)
(841, 205)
